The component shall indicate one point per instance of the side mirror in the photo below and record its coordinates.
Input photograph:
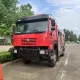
(52, 28)
(53, 22)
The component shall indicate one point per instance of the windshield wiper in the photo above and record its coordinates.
(17, 32)
(36, 31)
(30, 32)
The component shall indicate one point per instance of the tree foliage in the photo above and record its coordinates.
(70, 36)
(24, 10)
(9, 13)
(79, 38)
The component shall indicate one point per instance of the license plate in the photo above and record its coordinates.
(42, 52)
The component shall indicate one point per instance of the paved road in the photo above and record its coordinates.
(68, 68)
(4, 48)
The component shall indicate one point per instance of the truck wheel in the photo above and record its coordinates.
(57, 55)
(52, 62)
(62, 54)
(26, 61)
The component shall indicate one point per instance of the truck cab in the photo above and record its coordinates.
(36, 38)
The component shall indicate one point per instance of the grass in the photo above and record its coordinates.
(5, 57)
(4, 53)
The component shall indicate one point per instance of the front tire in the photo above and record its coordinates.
(52, 62)
(26, 61)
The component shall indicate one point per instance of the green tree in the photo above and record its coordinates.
(75, 38)
(9, 8)
(24, 10)
(9, 13)
(70, 36)
(2, 11)
(67, 34)
(79, 38)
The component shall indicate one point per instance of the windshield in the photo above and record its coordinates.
(32, 26)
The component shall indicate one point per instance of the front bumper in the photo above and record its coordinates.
(30, 54)
(33, 53)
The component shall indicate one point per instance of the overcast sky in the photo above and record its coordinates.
(66, 12)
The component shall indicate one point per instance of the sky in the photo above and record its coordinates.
(65, 12)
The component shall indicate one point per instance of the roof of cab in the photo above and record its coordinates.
(33, 17)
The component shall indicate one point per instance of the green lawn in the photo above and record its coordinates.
(5, 53)
(5, 57)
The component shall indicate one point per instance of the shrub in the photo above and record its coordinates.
(11, 49)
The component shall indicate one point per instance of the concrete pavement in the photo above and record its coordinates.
(4, 48)
(68, 68)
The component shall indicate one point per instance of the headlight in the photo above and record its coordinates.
(42, 52)
(15, 51)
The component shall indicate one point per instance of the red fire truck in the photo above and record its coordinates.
(38, 38)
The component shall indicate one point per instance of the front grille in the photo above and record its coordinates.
(32, 47)
(28, 41)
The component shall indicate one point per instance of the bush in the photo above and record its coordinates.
(5, 57)
(11, 49)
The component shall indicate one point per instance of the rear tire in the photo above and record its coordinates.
(52, 62)
(57, 55)
(62, 55)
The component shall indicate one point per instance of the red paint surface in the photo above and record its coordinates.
(1, 77)
(42, 39)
